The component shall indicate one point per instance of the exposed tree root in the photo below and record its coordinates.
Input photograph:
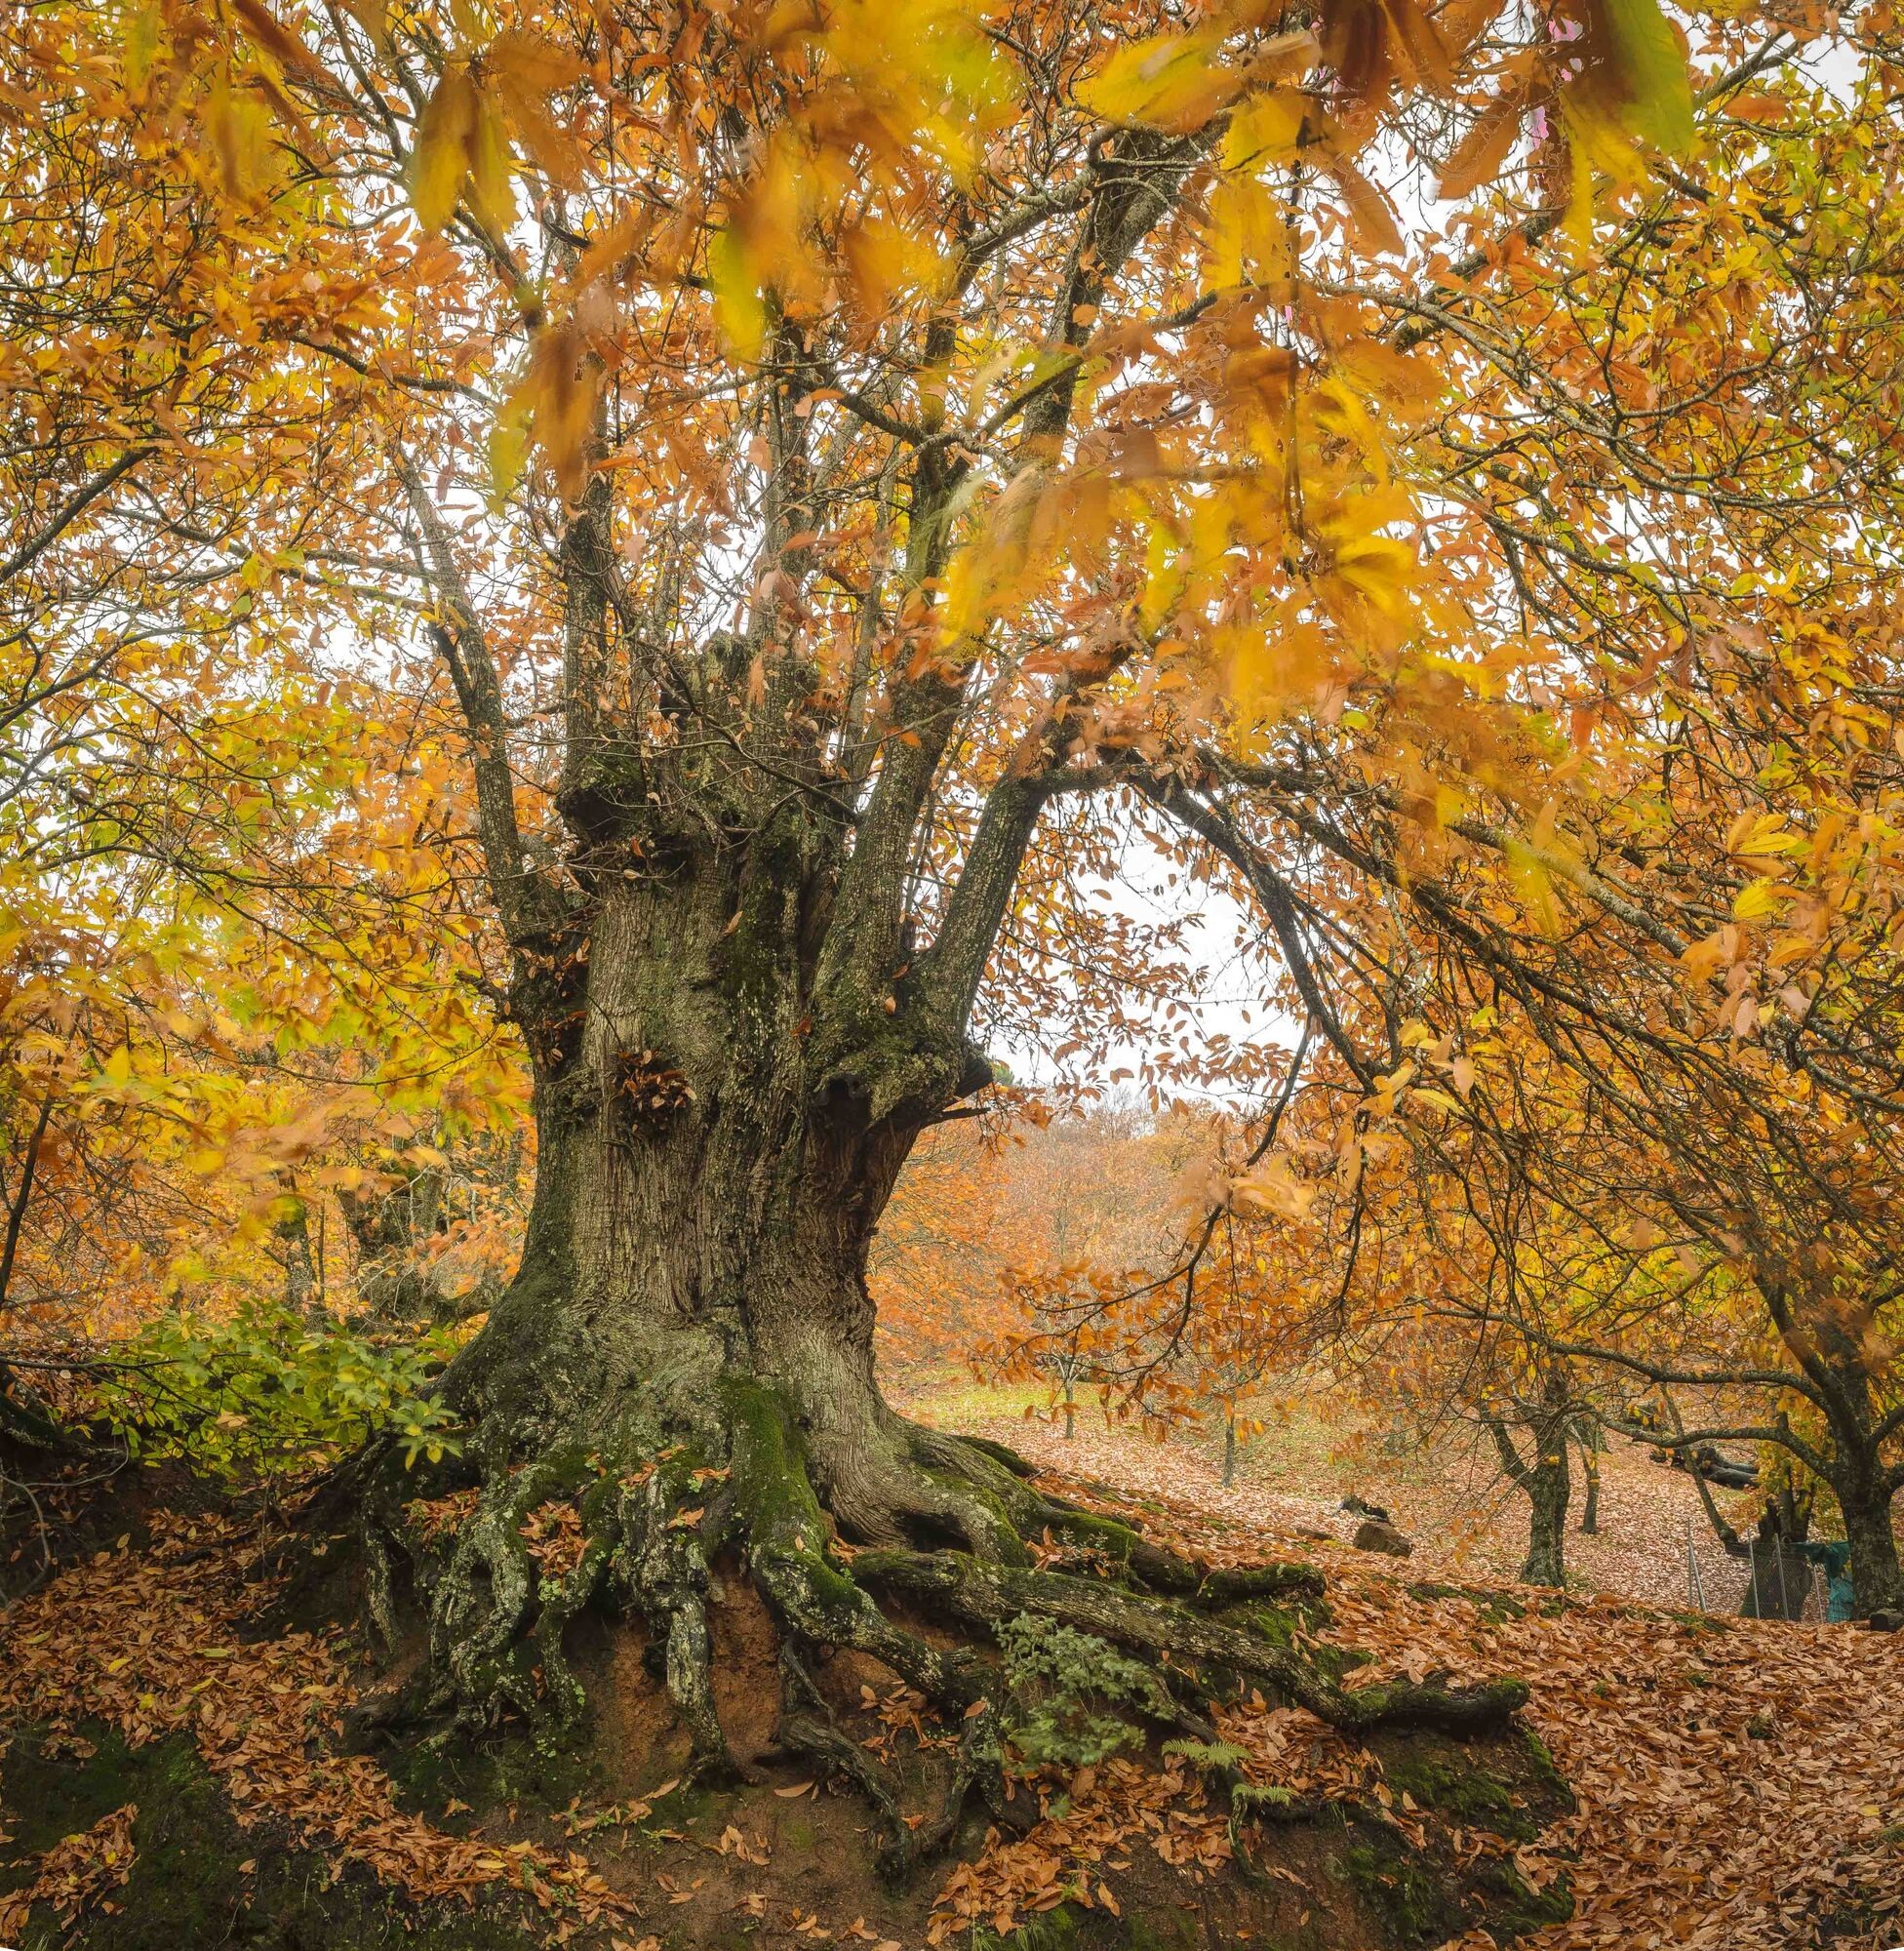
(985, 1596)
(808, 1728)
(945, 1526)
(484, 1597)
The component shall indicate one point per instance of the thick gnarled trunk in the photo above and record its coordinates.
(681, 1379)
(707, 1187)
(734, 1042)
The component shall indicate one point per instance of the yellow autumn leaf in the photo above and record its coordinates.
(1533, 884)
(490, 188)
(740, 311)
(508, 446)
(446, 135)
(1170, 81)
(1428, 1093)
(1762, 836)
(1379, 567)
(1756, 900)
(1265, 131)
(1247, 235)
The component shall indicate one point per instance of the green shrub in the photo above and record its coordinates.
(267, 1391)
(1066, 1688)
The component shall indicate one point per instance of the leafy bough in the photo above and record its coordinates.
(267, 1391)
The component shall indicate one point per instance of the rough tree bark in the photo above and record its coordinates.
(1866, 1487)
(1546, 1483)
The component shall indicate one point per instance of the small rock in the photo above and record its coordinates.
(1376, 1536)
(1885, 1620)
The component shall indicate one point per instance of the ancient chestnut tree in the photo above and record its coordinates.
(848, 472)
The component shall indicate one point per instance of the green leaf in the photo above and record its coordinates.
(1660, 92)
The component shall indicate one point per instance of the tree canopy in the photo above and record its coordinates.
(690, 576)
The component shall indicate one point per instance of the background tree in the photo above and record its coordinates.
(1657, 992)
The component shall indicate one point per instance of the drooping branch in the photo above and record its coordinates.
(1496, 839)
(1666, 1375)
(1273, 894)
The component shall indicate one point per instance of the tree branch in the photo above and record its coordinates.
(527, 906)
(71, 510)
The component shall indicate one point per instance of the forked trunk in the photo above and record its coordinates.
(734, 1042)
(1546, 1484)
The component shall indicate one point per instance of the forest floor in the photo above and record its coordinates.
(178, 1769)
(1740, 1783)
(1463, 1519)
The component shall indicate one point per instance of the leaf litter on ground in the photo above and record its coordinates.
(1737, 1782)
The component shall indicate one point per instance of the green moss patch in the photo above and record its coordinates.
(197, 1877)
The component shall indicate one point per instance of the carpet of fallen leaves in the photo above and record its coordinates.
(1740, 1784)
(1109, 1812)
(1463, 1521)
(152, 1642)
(78, 1872)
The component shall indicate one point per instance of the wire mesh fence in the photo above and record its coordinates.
(1773, 1581)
